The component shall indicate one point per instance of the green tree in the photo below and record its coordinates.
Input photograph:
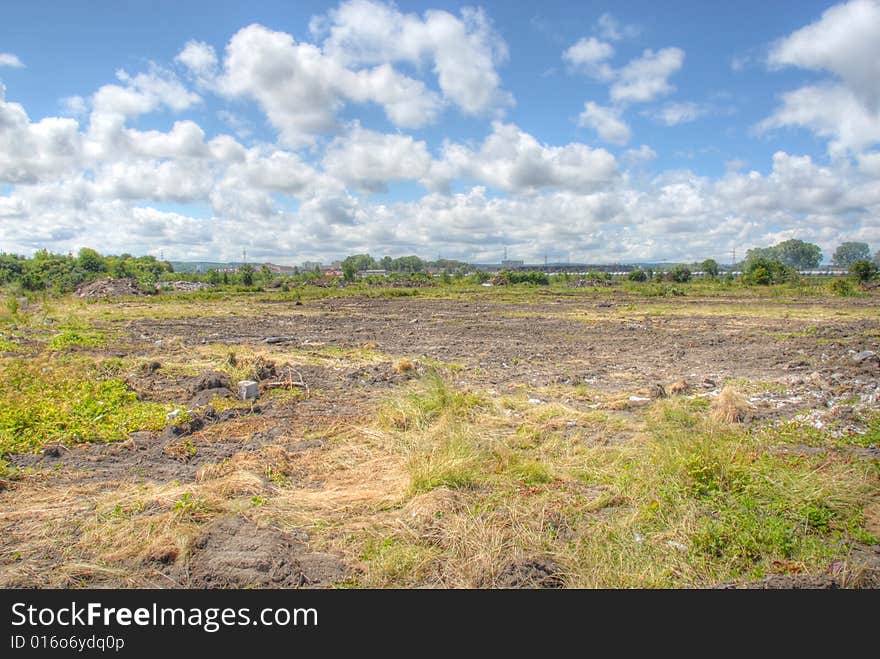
(213, 277)
(798, 254)
(357, 262)
(710, 268)
(90, 261)
(848, 253)
(762, 271)
(349, 270)
(246, 273)
(863, 270)
(679, 273)
(792, 253)
(638, 275)
(407, 264)
(266, 274)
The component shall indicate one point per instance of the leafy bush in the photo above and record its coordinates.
(710, 267)
(679, 274)
(863, 270)
(532, 277)
(638, 275)
(842, 288)
(760, 271)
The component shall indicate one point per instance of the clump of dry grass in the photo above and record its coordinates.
(678, 388)
(401, 366)
(730, 407)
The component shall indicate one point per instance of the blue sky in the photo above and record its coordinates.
(608, 131)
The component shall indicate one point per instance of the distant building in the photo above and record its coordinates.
(311, 265)
(509, 264)
(279, 269)
(331, 270)
(372, 273)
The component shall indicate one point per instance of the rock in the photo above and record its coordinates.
(865, 355)
(271, 340)
(248, 390)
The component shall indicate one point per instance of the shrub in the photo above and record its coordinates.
(842, 288)
(760, 271)
(710, 267)
(638, 275)
(863, 270)
(532, 277)
(680, 274)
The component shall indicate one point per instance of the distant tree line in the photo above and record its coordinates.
(64, 272)
(401, 265)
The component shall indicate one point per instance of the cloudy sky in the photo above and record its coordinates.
(589, 131)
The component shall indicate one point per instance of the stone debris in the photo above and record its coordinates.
(108, 287)
(185, 286)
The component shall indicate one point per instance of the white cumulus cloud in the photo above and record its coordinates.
(606, 121)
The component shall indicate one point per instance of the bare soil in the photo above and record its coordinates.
(555, 341)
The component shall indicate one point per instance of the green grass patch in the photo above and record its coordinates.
(8, 346)
(66, 400)
(76, 335)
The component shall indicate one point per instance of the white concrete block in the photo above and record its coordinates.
(248, 389)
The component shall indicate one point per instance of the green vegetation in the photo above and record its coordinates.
(679, 273)
(520, 277)
(694, 503)
(761, 271)
(849, 253)
(863, 270)
(68, 400)
(76, 334)
(61, 273)
(793, 253)
(710, 267)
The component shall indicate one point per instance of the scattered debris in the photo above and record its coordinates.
(108, 287)
(865, 355)
(185, 286)
(289, 382)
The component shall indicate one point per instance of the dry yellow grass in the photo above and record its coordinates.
(730, 407)
(678, 388)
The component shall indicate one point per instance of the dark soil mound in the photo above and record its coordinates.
(235, 553)
(530, 573)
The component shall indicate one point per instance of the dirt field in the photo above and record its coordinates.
(549, 439)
